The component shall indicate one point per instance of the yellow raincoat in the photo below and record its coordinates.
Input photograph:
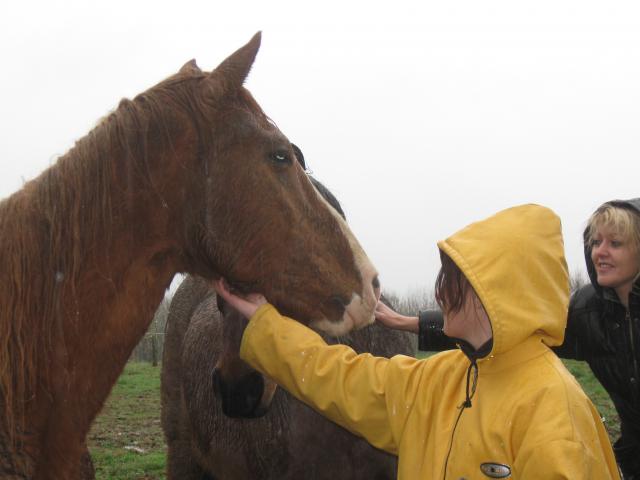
(528, 418)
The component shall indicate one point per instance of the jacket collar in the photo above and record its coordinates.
(472, 353)
(532, 347)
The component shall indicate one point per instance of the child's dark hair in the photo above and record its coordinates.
(451, 285)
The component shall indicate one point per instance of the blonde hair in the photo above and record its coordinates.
(623, 221)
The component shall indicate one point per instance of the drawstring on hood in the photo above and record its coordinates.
(473, 355)
(469, 395)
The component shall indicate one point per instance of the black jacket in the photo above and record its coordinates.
(601, 332)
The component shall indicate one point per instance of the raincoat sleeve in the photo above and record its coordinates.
(358, 392)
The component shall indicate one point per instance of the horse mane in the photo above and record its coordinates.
(51, 227)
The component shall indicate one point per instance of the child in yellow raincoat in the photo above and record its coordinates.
(501, 406)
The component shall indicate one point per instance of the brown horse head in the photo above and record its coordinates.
(242, 391)
(264, 225)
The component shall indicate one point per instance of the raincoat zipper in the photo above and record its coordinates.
(627, 316)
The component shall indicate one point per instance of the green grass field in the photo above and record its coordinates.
(598, 396)
(126, 441)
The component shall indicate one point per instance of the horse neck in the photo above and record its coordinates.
(90, 236)
(117, 193)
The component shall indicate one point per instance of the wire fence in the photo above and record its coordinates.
(151, 347)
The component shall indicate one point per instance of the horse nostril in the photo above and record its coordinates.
(240, 398)
(375, 283)
(338, 302)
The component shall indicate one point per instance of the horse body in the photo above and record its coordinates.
(290, 441)
(190, 176)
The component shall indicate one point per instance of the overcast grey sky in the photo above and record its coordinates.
(420, 116)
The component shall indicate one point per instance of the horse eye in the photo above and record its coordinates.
(281, 157)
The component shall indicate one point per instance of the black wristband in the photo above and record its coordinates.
(430, 335)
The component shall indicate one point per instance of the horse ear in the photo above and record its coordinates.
(234, 70)
(190, 68)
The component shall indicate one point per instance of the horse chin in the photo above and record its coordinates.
(357, 314)
(339, 329)
(242, 288)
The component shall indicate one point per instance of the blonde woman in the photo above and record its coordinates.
(604, 319)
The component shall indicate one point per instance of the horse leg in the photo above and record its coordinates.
(62, 458)
(14, 465)
(64, 451)
(87, 470)
(20, 453)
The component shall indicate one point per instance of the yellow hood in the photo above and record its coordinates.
(515, 262)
